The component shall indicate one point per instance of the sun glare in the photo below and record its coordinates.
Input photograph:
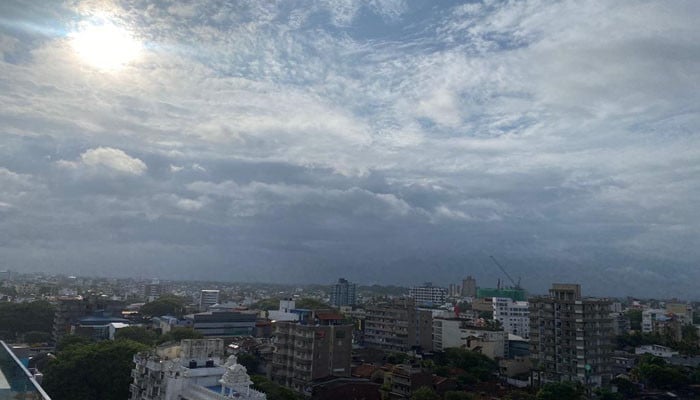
(106, 46)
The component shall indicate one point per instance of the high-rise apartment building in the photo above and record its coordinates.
(207, 298)
(514, 316)
(571, 336)
(307, 352)
(428, 294)
(469, 287)
(343, 293)
(398, 326)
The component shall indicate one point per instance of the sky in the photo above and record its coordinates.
(384, 141)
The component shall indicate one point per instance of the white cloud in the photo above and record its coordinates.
(108, 158)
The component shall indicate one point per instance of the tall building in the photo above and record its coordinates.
(305, 353)
(398, 326)
(343, 293)
(428, 294)
(207, 298)
(194, 369)
(571, 336)
(469, 287)
(153, 290)
(514, 316)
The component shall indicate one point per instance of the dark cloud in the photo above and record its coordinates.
(394, 142)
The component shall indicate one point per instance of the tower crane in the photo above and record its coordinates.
(515, 285)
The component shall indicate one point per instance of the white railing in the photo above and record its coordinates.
(196, 392)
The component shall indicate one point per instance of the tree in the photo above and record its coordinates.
(137, 334)
(164, 305)
(34, 337)
(635, 317)
(626, 388)
(177, 334)
(424, 393)
(310, 304)
(560, 390)
(249, 361)
(68, 341)
(20, 318)
(92, 371)
(457, 395)
(273, 390)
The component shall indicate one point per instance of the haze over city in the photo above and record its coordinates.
(390, 142)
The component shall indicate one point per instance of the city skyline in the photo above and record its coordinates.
(387, 142)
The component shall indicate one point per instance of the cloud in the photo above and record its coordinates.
(107, 158)
(307, 139)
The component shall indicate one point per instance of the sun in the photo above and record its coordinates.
(105, 46)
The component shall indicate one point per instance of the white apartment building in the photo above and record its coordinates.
(207, 298)
(456, 332)
(514, 316)
(428, 294)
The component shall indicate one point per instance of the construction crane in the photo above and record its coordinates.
(515, 285)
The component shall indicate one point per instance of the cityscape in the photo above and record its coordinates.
(164, 339)
(349, 200)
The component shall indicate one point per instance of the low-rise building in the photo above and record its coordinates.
(456, 332)
(656, 350)
(193, 370)
(223, 324)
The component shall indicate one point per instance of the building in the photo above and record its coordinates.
(207, 298)
(400, 381)
(153, 290)
(656, 350)
(683, 311)
(285, 312)
(16, 381)
(514, 316)
(428, 294)
(305, 353)
(223, 324)
(514, 294)
(70, 310)
(620, 323)
(662, 322)
(451, 332)
(571, 336)
(192, 370)
(343, 293)
(398, 326)
(469, 287)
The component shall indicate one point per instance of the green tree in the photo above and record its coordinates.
(19, 318)
(137, 334)
(559, 391)
(93, 371)
(625, 387)
(164, 305)
(478, 367)
(635, 317)
(424, 393)
(310, 304)
(177, 334)
(457, 395)
(607, 394)
(273, 390)
(71, 340)
(249, 361)
(34, 337)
